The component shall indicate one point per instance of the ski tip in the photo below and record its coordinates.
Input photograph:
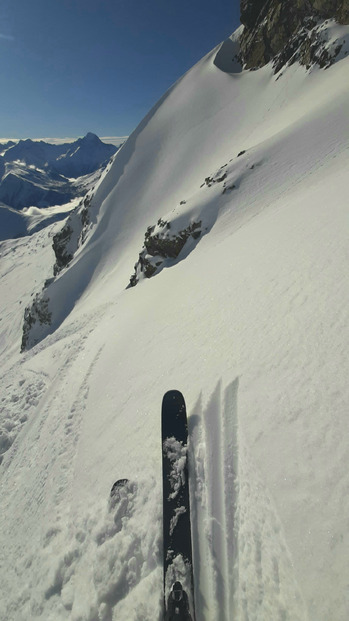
(173, 395)
(121, 489)
(174, 416)
(119, 483)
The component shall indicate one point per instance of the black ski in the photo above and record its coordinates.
(178, 564)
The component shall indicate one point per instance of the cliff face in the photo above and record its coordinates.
(287, 30)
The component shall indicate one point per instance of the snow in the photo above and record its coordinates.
(250, 323)
(177, 454)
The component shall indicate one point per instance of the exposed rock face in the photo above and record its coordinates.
(36, 314)
(283, 30)
(65, 244)
(161, 243)
(71, 236)
(250, 11)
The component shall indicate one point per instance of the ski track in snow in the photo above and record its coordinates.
(111, 558)
(23, 396)
(213, 512)
(18, 404)
(102, 565)
(243, 569)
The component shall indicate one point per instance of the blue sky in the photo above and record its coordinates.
(72, 66)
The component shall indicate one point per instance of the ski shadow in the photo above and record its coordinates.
(213, 478)
(214, 454)
(194, 430)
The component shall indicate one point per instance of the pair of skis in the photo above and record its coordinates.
(178, 563)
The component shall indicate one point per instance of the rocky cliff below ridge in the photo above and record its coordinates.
(285, 31)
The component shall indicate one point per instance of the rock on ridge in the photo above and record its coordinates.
(283, 31)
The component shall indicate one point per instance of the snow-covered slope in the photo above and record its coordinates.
(250, 322)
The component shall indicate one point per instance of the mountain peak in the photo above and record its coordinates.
(90, 137)
(26, 141)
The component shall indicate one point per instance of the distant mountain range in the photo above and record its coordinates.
(37, 173)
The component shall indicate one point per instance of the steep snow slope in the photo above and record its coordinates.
(252, 326)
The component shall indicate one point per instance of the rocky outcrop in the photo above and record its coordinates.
(284, 31)
(71, 236)
(35, 316)
(161, 244)
(65, 243)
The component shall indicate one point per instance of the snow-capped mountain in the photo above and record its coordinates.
(210, 257)
(37, 173)
(6, 145)
(72, 159)
(83, 156)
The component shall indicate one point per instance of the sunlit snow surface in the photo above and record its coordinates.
(252, 327)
